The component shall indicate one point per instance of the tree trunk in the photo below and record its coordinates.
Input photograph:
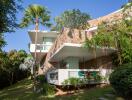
(118, 46)
(119, 55)
(10, 78)
(35, 56)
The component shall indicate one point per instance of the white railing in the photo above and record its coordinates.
(40, 47)
(58, 76)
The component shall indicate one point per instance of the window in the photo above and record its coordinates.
(39, 47)
(54, 76)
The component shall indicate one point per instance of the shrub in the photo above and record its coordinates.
(121, 80)
(71, 81)
(75, 82)
(44, 86)
(48, 89)
(41, 79)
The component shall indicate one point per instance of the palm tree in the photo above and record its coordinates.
(35, 14)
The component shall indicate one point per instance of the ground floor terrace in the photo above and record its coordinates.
(73, 60)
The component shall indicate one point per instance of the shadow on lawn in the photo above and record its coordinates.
(20, 89)
(23, 91)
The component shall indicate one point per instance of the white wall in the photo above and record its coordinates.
(64, 74)
(32, 48)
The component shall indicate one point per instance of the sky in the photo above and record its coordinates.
(95, 8)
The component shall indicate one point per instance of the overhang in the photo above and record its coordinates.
(77, 50)
(41, 34)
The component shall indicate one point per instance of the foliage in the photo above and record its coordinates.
(74, 19)
(2, 41)
(114, 35)
(8, 10)
(48, 89)
(41, 79)
(43, 86)
(35, 14)
(27, 64)
(127, 9)
(121, 80)
(77, 82)
(71, 81)
(9, 67)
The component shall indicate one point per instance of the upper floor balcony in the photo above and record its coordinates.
(41, 48)
(42, 36)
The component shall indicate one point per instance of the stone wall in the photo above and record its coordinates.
(117, 15)
(66, 36)
(76, 36)
(100, 62)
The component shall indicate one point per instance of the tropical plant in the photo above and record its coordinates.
(35, 14)
(9, 67)
(114, 35)
(48, 89)
(27, 64)
(72, 81)
(41, 79)
(15, 59)
(121, 80)
(73, 19)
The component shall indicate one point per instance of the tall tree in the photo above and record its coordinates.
(35, 14)
(8, 10)
(15, 58)
(74, 19)
(9, 67)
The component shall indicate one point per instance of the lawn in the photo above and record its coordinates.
(23, 91)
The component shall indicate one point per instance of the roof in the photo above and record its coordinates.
(110, 17)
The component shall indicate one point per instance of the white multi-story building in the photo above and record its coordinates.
(62, 55)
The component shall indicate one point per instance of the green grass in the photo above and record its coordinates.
(23, 91)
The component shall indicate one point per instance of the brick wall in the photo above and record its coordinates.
(76, 36)
(100, 62)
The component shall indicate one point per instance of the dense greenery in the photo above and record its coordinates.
(27, 65)
(9, 67)
(48, 89)
(41, 79)
(80, 82)
(2, 41)
(74, 19)
(115, 34)
(121, 80)
(8, 10)
(44, 87)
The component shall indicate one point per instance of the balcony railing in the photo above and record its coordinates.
(93, 76)
(40, 47)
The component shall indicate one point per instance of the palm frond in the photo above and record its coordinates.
(33, 13)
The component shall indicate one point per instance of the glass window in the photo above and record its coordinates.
(54, 76)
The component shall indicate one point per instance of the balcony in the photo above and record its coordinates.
(58, 76)
(40, 48)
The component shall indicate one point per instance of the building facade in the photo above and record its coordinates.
(62, 55)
